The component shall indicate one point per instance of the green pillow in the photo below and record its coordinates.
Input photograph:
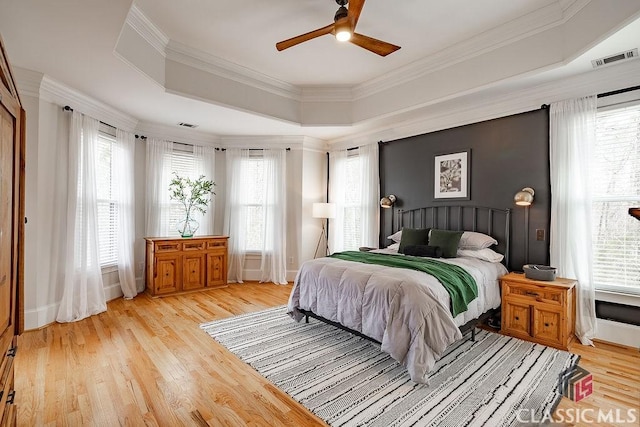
(413, 236)
(447, 241)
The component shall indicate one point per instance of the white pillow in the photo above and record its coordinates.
(394, 246)
(474, 240)
(485, 254)
(396, 237)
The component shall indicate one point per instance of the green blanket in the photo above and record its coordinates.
(461, 286)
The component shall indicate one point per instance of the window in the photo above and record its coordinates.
(182, 163)
(352, 205)
(106, 199)
(253, 185)
(615, 186)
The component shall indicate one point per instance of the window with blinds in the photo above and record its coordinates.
(106, 201)
(615, 187)
(253, 187)
(352, 207)
(182, 163)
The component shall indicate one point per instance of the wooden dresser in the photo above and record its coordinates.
(12, 141)
(177, 265)
(538, 311)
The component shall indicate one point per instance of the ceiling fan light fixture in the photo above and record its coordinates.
(343, 36)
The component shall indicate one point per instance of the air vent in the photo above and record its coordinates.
(622, 56)
(189, 125)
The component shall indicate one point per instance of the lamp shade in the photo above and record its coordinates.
(324, 210)
(387, 201)
(524, 197)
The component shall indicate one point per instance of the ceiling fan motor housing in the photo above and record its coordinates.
(341, 13)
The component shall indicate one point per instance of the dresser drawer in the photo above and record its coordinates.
(196, 245)
(534, 293)
(217, 244)
(161, 247)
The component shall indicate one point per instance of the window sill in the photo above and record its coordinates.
(618, 297)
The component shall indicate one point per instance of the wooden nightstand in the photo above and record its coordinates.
(538, 311)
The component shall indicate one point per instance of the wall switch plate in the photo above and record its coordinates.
(540, 234)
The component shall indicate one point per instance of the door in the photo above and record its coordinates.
(167, 278)
(192, 271)
(7, 254)
(517, 318)
(216, 269)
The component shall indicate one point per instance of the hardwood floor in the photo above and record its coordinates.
(146, 362)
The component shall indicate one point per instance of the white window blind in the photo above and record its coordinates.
(352, 208)
(107, 206)
(615, 187)
(253, 187)
(183, 164)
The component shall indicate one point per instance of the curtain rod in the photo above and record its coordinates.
(67, 108)
(616, 92)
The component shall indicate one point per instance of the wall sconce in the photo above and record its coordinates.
(524, 197)
(388, 201)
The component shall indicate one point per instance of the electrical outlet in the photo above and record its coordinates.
(540, 234)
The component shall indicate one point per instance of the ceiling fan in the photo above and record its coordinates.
(343, 28)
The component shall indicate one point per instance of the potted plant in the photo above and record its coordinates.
(194, 195)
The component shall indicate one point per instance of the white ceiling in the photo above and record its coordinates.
(75, 42)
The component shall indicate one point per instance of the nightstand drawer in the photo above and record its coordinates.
(534, 293)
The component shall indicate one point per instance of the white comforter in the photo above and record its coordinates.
(406, 310)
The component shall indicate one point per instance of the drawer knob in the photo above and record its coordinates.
(546, 324)
(533, 294)
(517, 318)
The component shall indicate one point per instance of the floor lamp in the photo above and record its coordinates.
(524, 198)
(324, 211)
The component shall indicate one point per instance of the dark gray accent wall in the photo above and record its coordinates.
(507, 154)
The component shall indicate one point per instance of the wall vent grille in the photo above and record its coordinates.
(622, 56)
(187, 125)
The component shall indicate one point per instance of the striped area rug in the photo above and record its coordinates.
(347, 381)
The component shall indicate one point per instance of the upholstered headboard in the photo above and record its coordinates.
(491, 221)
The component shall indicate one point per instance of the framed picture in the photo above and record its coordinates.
(452, 176)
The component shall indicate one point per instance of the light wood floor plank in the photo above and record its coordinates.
(146, 362)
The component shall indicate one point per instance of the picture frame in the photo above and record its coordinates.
(452, 176)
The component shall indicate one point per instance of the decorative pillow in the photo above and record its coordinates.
(393, 246)
(396, 236)
(474, 240)
(485, 254)
(423, 251)
(447, 241)
(413, 236)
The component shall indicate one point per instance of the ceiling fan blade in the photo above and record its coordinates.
(285, 44)
(373, 45)
(355, 9)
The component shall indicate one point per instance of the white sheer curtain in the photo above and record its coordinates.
(572, 128)
(370, 195)
(235, 213)
(273, 264)
(158, 178)
(83, 293)
(354, 186)
(337, 195)
(205, 161)
(123, 159)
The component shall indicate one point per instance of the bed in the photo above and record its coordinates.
(411, 310)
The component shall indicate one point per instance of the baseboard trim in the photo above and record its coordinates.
(618, 333)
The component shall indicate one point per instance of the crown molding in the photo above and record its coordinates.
(58, 93)
(147, 29)
(212, 64)
(28, 82)
(495, 103)
(520, 28)
(327, 93)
